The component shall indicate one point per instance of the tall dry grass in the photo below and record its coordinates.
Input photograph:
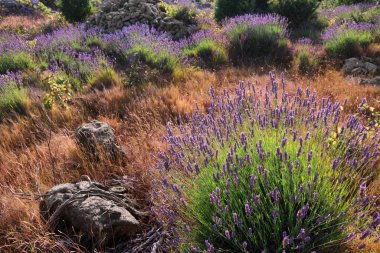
(39, 151)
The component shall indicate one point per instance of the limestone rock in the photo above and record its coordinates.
(97, 137)
(374, 81)
(91, 209)
(360, 67)
(117, 14)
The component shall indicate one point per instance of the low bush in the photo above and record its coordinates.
(347, 39)
(312, 29)
(12, 98)
(253, 36)
(356, 12)
(15, 61)
(231, 8)
(156, 49)
(211, 54)
(76, 10)
(306, 63)
(296, 11)
(306, 58)
(266, 172)
(208, 50)
(78, 65)
(59, 91)
(106, 78)
(183, 12)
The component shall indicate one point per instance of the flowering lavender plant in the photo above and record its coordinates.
(341, 12)
(14, 53)
(12, 96)
(264, 171)
(208, 46)
(252, 36)
(157, 49)
(344, 39)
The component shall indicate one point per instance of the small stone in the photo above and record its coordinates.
(371, 68)
(95, 137)
(374, 81)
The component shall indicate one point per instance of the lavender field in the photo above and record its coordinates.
(189, 126)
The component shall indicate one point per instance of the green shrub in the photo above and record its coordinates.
(348, 43)
(232, 8)
(183, 13)
(59, 91)
(305, 61)
(265, 171)
(254, 36)
(95, 41)
(15, 61)
(161, 60)
(297, 11)
(312, 29)
(105, 78)
(209, 52)
(372, 15)
(12, 99)
(76, 10)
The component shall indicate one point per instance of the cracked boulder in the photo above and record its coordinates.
(360, 67)
(95, 211)
(96, 138)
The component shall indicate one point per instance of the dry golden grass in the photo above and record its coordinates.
(39, 151)
(29, 24)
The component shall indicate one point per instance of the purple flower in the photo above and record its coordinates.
(362, 188)
(227, 234)
(275, 195)
(253, 20)
(303, 212)
(248, 209)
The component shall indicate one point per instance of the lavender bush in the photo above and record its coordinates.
(253, 36)
(12, 97)
(72, 50)
(344, 39)
(155, 48)
(14, 53)
(264, 171)
(352, 12)
(208, 47)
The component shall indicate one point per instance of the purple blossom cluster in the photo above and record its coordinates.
(143, 35)
(11, 42)
(341, 10)
(10, 79)
(255, 20)
(341, 27)
(59, 40)
(204, 34)
(65, 50)
(307, 44)
(259, 172)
